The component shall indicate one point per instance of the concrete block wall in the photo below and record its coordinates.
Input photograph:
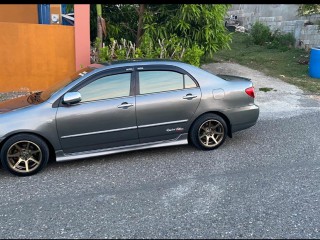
(273, 22)
(307, 36)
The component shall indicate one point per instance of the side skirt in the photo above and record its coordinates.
(181, 140)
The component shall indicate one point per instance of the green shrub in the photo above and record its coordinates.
(138, 53)
(147, 46)
(282, 41)
(97, 43)
(104, 54)
(193, 55)
(171, 48)
(120, 54)
(248, 39)
(260, 34)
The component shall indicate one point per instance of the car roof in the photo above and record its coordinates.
(135, 62)
(138, 60)
(144, 62)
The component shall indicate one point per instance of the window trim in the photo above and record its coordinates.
(184, 82)
(167, 68)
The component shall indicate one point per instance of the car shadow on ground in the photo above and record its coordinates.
(118, 157)
(154, 154)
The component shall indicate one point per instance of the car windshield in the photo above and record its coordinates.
(45, 95)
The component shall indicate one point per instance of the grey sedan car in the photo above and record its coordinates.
(110, 108)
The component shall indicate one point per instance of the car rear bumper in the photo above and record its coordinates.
(242, 118)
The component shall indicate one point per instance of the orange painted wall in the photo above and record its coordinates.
(19, 13)
(35, 56)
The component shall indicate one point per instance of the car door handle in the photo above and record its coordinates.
(125, 105)
(189, 96)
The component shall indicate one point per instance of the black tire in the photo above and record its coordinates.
(24, 154)
(217, 132)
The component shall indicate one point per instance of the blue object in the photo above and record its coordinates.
(64, 11)
(66, 21)
(314, 63)
(44, 13)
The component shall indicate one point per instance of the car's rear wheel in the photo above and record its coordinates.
(208, 132)
(24, 154)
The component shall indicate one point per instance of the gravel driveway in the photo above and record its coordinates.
(282, 101)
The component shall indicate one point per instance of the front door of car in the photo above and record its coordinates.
(166, 100)
(104, 118)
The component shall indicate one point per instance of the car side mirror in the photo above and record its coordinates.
(71, 98)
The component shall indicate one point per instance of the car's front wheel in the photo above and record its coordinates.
(24, 154)
(208, 132)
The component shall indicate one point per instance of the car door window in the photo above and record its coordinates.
(111, 86)
(188, 82)
(159, 81)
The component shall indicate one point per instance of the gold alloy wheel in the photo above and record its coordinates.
(211, 133)
(24, 156)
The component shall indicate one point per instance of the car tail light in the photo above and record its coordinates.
(250, 91)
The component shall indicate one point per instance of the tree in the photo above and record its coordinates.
(191, 24)
(140, 11)
(101, 25)
(308, 9)
(122, 21)
(201, 24)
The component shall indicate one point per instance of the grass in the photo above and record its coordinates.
(272, 62)
(266, 89)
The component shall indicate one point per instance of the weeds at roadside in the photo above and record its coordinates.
(266, 89)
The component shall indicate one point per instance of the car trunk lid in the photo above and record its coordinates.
(233, 78)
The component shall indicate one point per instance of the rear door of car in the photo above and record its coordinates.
(166, 99)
